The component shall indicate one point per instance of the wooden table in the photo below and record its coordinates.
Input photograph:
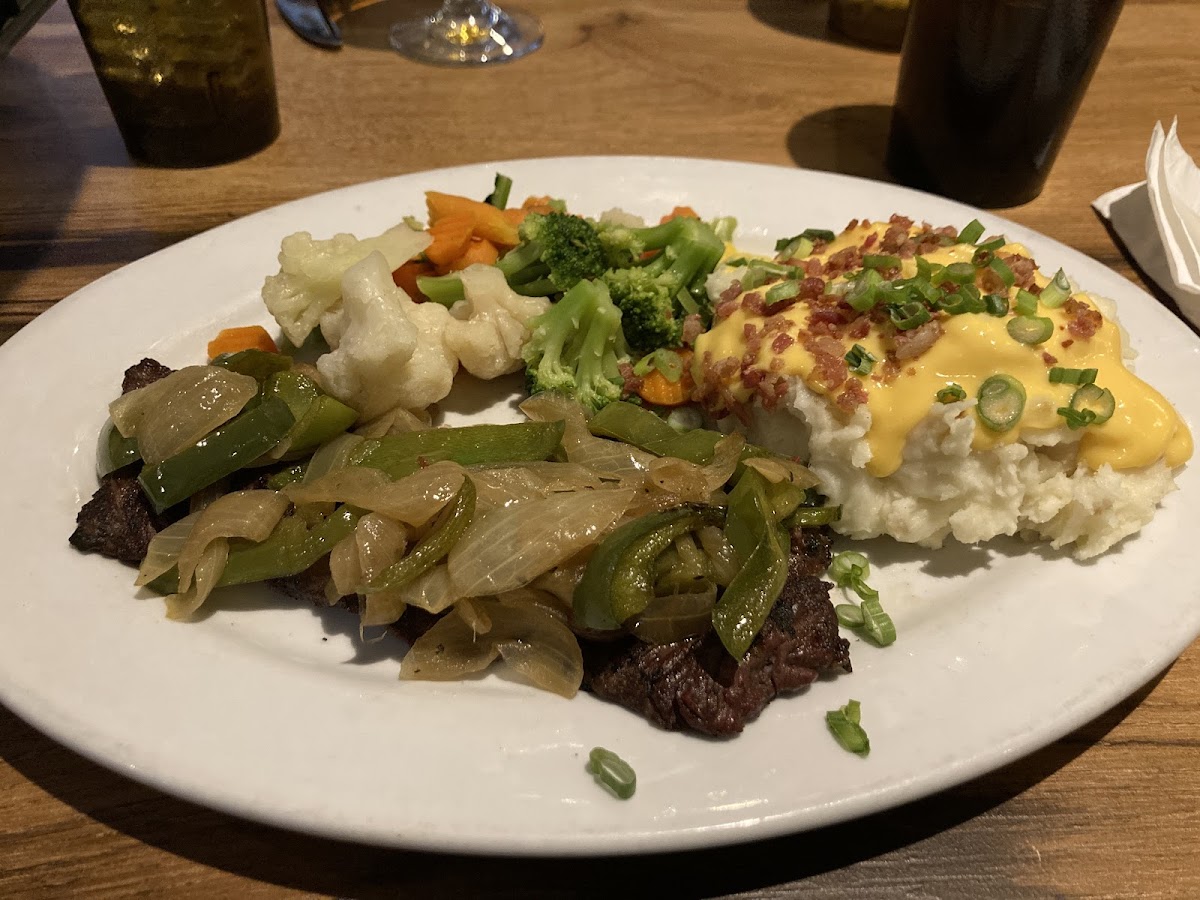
(1111, 810)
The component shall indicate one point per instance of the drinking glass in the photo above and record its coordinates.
(468, 32)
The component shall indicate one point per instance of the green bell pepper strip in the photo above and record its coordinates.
(634, 425)
(434, 546)
(618, 580)
(289, 550)
(232, 446)
(746, 602)
(402, 454)
(258, 364)
(319, 417)
(812, 517)
(113, 451)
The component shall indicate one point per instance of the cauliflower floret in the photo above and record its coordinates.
(388, 351)
(309, 282)
(488, 329)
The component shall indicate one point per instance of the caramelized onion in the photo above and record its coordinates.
(676, 616)
(414, 499)
(777, 469)
(508, 547)
(530, 639)
(721, 553)
(614, 458)
(694, 483)
(174, 412)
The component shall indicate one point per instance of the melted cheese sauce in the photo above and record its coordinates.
(1143, 429)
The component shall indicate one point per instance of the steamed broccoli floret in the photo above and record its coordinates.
(576, 347)
(654, 296)
(557, 251)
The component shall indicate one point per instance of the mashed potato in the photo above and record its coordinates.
(943, 488)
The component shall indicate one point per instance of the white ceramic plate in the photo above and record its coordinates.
(272, 711)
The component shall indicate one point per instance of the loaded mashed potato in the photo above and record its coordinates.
(940, 385)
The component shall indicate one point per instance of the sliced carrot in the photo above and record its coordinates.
(451, 237)
(489, 221)
(656, 388)
(406, 277)
(233, 340)
(685, 212)
(480, 250)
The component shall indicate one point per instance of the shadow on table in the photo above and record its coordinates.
(804, 18)
(847, 139)
(351, 870)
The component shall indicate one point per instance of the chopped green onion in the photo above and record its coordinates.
(1057, 292)
(1060, 375)
(500, 191)
(877, 624)
(880, 261)
(793, 247)
(818, 234)
(849, 615)
(1077, 418)
(1001, 402)
(754, 277)
(997, 304)
(612, 773)
(784, 290)
(850, 570)
(910, 315)
(666, 361)
(813, 516)
(960, 273)
(951, 393)
(863, 292)
(982, 258)
(1000, 267)
(924, 268)
(1027, 303)
(1092, 402)
(972, 233)
(844, 725)
(994, 244)
(1030, 329)
(860, 360)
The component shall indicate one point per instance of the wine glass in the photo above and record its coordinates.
(468, 32)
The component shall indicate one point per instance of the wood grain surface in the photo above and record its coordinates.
(1111, 811)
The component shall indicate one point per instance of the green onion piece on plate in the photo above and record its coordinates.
(997, 304)
(910, 315)
(1000, 267)
(877, 624)
(783, 290)
(612, 773)
(951, 393)
(994, 244)
(960, 273)
(844, 725)
(972, 233)
(849, 615)
(818, 234)
(880, 261)
(1092, 405)
(1027, 303)
(860, 360)
(1060, 375)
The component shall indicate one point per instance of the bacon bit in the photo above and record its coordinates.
(903, 221)
(731, 293)
(693, 327)
(751, 377)
(771, 391)
(1022, 268)
(911, 344)
(725, 309)
(890, 369)
(852, 396)
(1084, 321)
(754, 303)
(854, 224)
(845, 260)
(989, 281)
(633, 383)
(813, 267)
(1066, 345)
(776, 364)
(1048, 359)
(906, 250)
(776, 323)
(869, 242)
(860, 329)
(754, 340)
(896, 235)
(782, 342)
(829, 370)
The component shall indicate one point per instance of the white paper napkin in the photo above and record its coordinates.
(1159, 219)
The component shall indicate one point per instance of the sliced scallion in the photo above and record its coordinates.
(612, 773)
(1095, 403)
(793, 247)
(1030, 329)
(844, 725)
(784, 290)
(1001, 401)
(848, 615)
(863, 293)
(997, 304)
(960, 272)
(1000, 267)
(1060, 375)
(951, 393)
(877, 624)
(994, 244)
(813, 516)
(910, 315)
(860, 360)
(818, 234)
(850, 570)
(1027, 303)
(880, 261)
(971, 233)
(1058, 291)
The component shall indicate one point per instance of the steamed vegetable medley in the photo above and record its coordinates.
(597, 516)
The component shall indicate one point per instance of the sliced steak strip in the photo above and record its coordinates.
(146, 372)
(694, 683)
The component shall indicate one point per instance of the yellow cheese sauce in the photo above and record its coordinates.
(1143, 428)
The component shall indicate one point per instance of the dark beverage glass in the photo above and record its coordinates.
(189, 82)
(987, 91)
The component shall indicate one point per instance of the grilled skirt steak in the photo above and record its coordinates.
(695, 684)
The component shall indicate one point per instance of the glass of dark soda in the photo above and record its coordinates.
(987, 91)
